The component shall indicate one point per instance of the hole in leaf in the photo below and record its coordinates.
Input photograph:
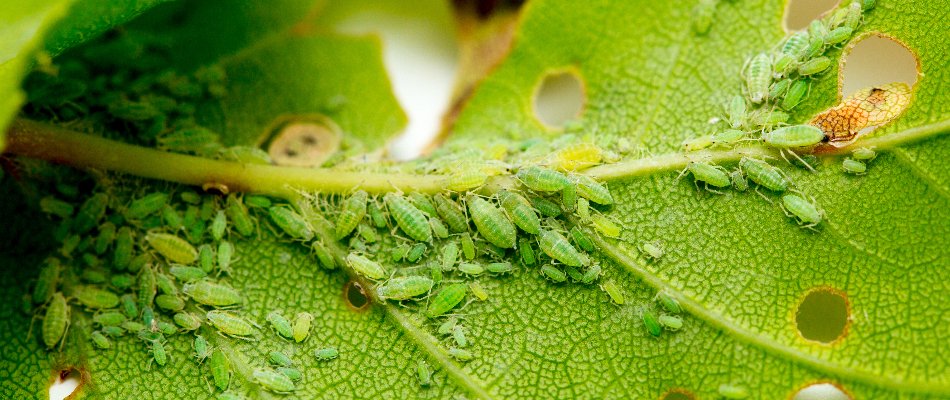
(355, 296)
(678, 394)
(559, 98)
(821, 391)
(799, 13)
(64, 384)
(877, 60)
(302, 141)
(823, 315)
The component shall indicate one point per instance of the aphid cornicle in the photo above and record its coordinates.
(446, 299)
(405, 287)
(410, 219)
(291, 223)
(354, 209)
(710, 174)
(451, 213)
(327, 353)
(172, 247)
(542, 179)
(758, 76)
(55, 321)
(764, 174)
(592, 190)
(230, 324)
(557, 247)
(794, 136)
(280, 324)
(212, 294)
(805, 211)
(491, 222)
(853, 166)
(365, 267)
(220, 367)
(273, 381)
(302, 323)
(520, 211)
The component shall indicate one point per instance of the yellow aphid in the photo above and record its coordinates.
(871, 106)
(577, 157)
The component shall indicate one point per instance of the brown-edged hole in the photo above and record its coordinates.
(355, 296)
(559, 98)
(64, 383)
(877, 60)
(823, 315)
(678, 394)
(800, 13)
(821, 391)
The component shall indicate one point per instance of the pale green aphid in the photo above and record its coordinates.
(113, 331)
(728, 136)
(465, 181)
(105, 238)
(652, 250)
(768, 118)
(814, 66)
(779, 88)
(212, 294)
(365, 267)
(95, 298)
(731, 391)
(468, 246)
(291, 223)
(159, 354)
(583, 209)
(323, 255)
(172, 247)
(100, 340)
(55, 321)
(758, 76)
(424, 374)
(302, 323)
(795, 44)
(166, 328)
(145, 206)
(670, 322)
(90, 213)
(703, 16)
(805, 211)
(553, 273)
(47, 281)
(69, 244)
(478, 291)
(491, 222)
(202, 348)
(446, 327)
(795, 136)
(698, 143)
(795, 94)
(225, 254)
(591, 274)
(218, 225)
(736, 111)
(738, 181)
(279, 359)
(122, 254)
(557, 247)
(132, 326)
(109, 318)
(422, 202)
(546, 207)
(354, 209)
(581, 239)
(93, 275)
(853, 166)
(148, 317)
(438, 228)
(187, 321)
(122, 281)
(206, 258)
(327, 353)
(458, 334)
(451, 213)
(780, 65)
(838, 35)
(435, 271)
(292, 373)
(863, 154)
(405, 287)
(568, 197)
(460, 354)
(410, 219)
(128, 306)
(613, 290)
(256, 201)
(651, 322)
(605, 225)
(446, 299)
(592, 190)
(712, 175)
(54, 206)
(190, 197)
(273, 381)
(230, 324)
(764, 174)
(542, 179)
(186, 274)
(398, 253)
(450, 254)
(169, 302)
(416, 252)
(574, 273)
(527, 252)
(471, 268)
(165, 284)
(499, 267)
(669, 303)
(220, 367)
(520, 211)
(280, 324)
(239, 217)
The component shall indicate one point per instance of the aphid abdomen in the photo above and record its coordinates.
(354, 209)
(492, 223)
(520, 211)
(557, 247)
(410, 219)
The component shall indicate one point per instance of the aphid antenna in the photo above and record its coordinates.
(762, 195)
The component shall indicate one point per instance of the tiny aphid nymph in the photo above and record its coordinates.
(614, 292)
(853, 166)
(712, 175)
(803, 210)
(327, 353)
(542, 180)
(302, 323)
(273, 381)
(280, 324)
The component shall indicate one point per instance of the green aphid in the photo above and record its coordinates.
(703, 16)
(368, 233)
(614, 292)
(220, 367)
(764, 174)
(592, 274)
(503, 267)
(758, 77)
(670, 322)
(148, 317)
(172, 219)
(225, 255)
(128, 306)
(376, 215)
(290, 222)
(446, 299)
(557, 247)
(583, 209)
(853, 166)
(133, 110)
(365, 267)
(546, 207)
(491, 222)
(854, 12)
(794, 136)
(90, 213)
(327, 353)
(795, 43)
(435, 272)
(109, 318)
(257, 201)
(55, 321)
(352, 212)
(399, 253)
(478, 291)
(187, 321)
(728, 136)
(446, 327)
(292, 373)
(803, 210)
(471, 268)
(814, 66)
(592, 190)
(780, 64)
(202, 348)
(736, 111)
(568, 200)
(240, 219)
(838, 35)
(69, 244)
(651, 323)
(652, 250)
(574, 273)
(526, 250)
(53, 206)
(190, 197)
(424, 374)
(47, 281)
(450, 254)
(165, 284)
(779, 88)
(460, 354)
(94, 274)
(212, 294)
(324, 257)
(468, 246)
(166, 328)
(113, 331)
(712, 175)
(246, 155)
(410, 219)
(100, 340)
(169, 302)
(302, 323)
(669, 303)
(732, 391)
(132, 326)
(95, 298)
(553, 273)
(219, 225)
(458, 334)
(581, 239)
(439, 229)
(172, 247)
(520, 211)
(542, 179)
(280, 324)
(206, 258)
(405, 287)
(738, 181)
(422, 202)
(230, 324)
(146, 206)
(279, 359)
(197, 140)
(863, 154)
(796, 93)
(194, 226)
(416, 252)
(187, 274)
(768, 118)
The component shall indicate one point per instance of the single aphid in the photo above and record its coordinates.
(187, 321)
(148, 317)
(95, 298)
(728, 136)
(574, 273)
(69, 244)
(114, 331)
(546, 207)
(526, 250)
(557, 247)
(202, 348)
(605, 225)
(93, 275)
(172, 247)
(273, 381)
(758, 76)
(424, 374)
(838, 35)
(292, 373)
(147, 205)
(219, 225)
(698, 143)
(520, 211)
(46, 282)
(765, 118)
(169, 302)
(128, 306)
(591, 274)
(323, 255)
(613, 290)
(220, 367)
(352, 212)
(466, 180)
(652, 250)
(458, 334)
(451, 213)
(405, 287)
(416, 252)
(779, 88)
(795, 136)
(230, 324)
(280, 324)
(225, 254)
(446, 299)
(122, 281)
(855, 10)
(450, 253)
(583, 208)
(764, 174)
(581, 239)
(712, 175)
(468, 246)
(739, 181)
(165, 284)
(132, 326)
(326, 353)
(212, 294)
(805, 211)
(239, 216)
(166, 328)
(669, 303)
(365, 267)
(736, 111)
(460, 354)
(439, 229)
(542, 179)
(109, 318)
(853, 166)
(376, 215)
(256, 201)
(814, 66)
(54, 206)
(206, 258)
(670, 322)
(577, 156)
(159, 354)
(473, 269)
(568, 198)
(592, 190)
(491, 222)
(863, 154)
(100, 340)
(553, 273)
(795, 43)
(478, 291)
(410, 219)
(105, 238)
(187, 274)
(795, 94)
(279, 359)
(499, 267)
(291, 223)
(302, 323)
(55, 321)
(703, 16)
(422, 202)
(90, 213)
(651, 323)
(731, 391)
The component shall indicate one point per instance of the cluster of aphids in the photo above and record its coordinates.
(775, 83)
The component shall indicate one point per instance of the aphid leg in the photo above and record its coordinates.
(762, 195)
